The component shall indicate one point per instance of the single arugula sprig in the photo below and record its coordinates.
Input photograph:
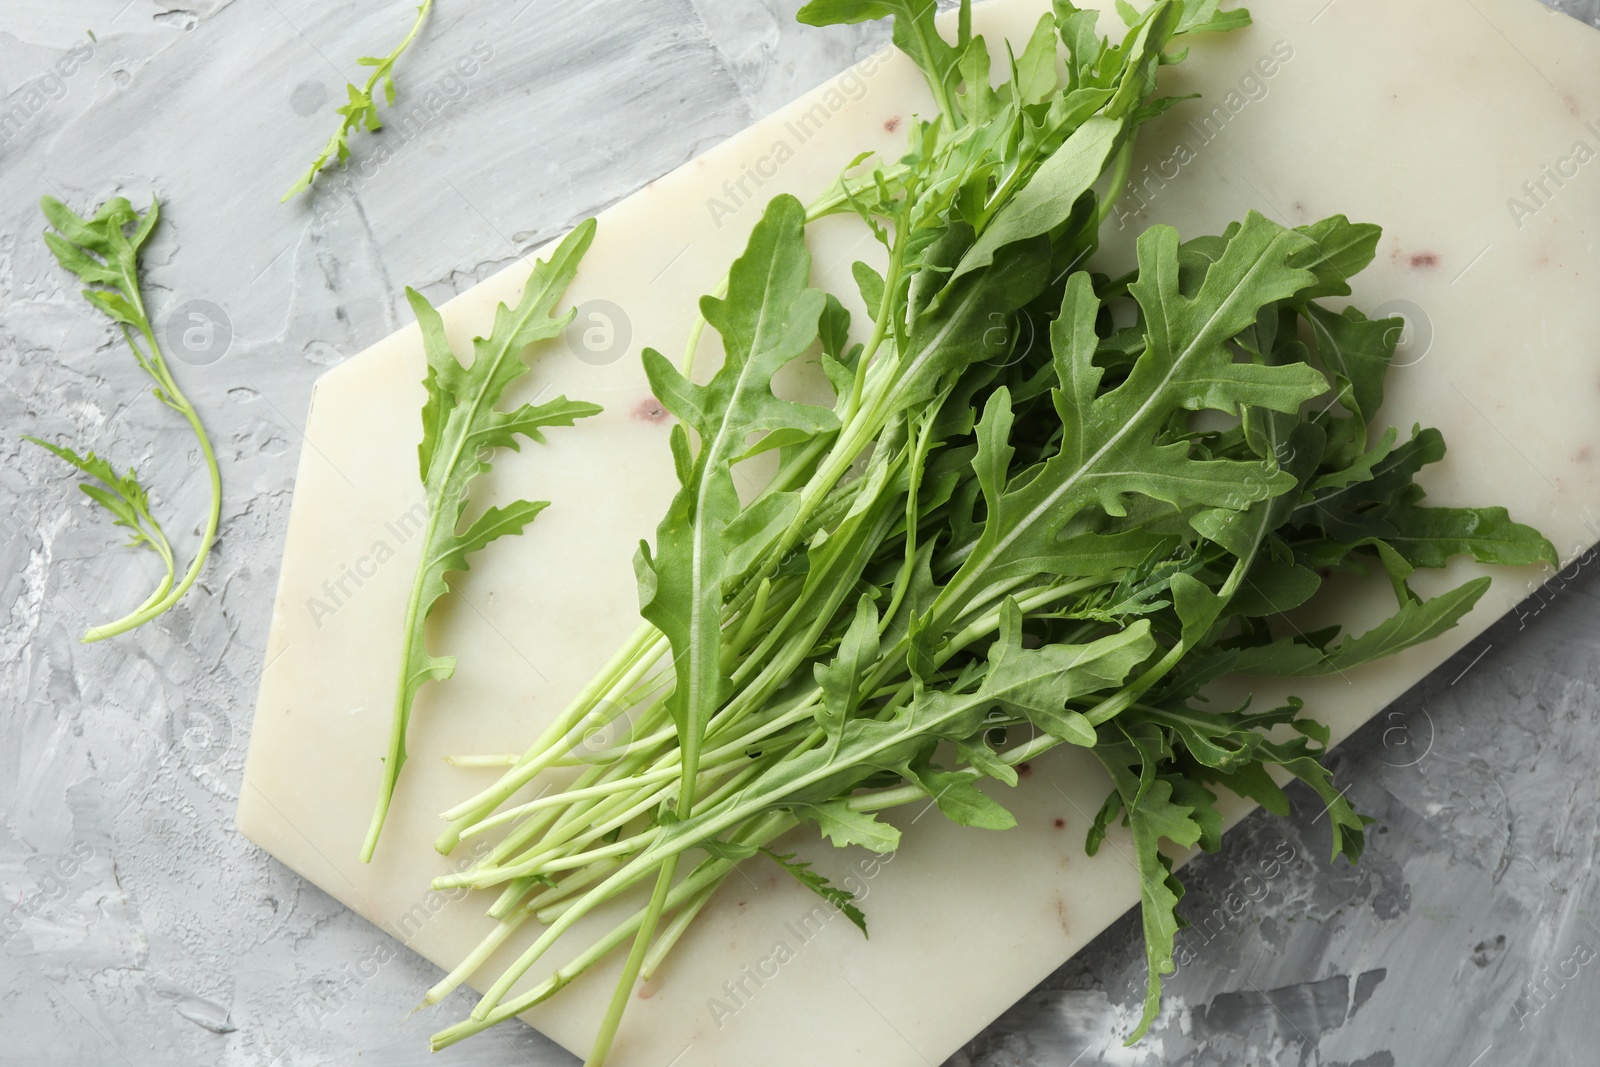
(460, 426)
(129, 505)
(360, 109)
(103, 252)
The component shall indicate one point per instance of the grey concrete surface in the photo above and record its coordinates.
(141, 929)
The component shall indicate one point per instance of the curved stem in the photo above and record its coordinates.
(173, 594)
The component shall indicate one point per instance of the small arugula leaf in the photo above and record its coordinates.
(1252, 782)
(845, 826)
(1340, 249)
(1077, 29)
(914, 33)
(360, 110)
(842, 899)
(1349, 837)
(1202, 16)
(1429, 537)
(1034, 79)
(1047, 199)
(1101, 824)
(985, 760)
(1272, 587)
(123, 497)
(1357, 351)
(1415, 622)
(461, 425)
(841, 677)
(961, 801)
(1154, 816)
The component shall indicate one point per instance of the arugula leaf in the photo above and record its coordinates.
(841, 678)
(104, 254)
(460, 425)
(1046, 201)
(1155, 816)
(845, 826)
(1358, 352)
(842, 899)
(768, 318)
(124, 498)
(1429, 537)
(962, 802)
(914, 33)
(360, 109)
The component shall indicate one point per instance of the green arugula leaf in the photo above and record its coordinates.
(962, 802)
(914, 33)
(841, 678)
(840, 898)
(1429, 537)
(1357, 351)
(1156, 815)
(768, 318)
(1415, 622)
(123, 497)
(460, 425)
(844, 826)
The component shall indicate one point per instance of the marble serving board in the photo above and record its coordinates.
(1467, 128)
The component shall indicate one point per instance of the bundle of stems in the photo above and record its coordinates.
(1010, 531)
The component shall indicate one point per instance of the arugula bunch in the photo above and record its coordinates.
(986, 536)
(461, 425)
(360, 109)
(103, 251)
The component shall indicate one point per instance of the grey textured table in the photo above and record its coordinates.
(143, 930)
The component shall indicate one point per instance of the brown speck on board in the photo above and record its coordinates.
(1583, 455)
(650, 410)
(892, 124)
(1024, 769)
(1424, 259)
(1061, 824)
